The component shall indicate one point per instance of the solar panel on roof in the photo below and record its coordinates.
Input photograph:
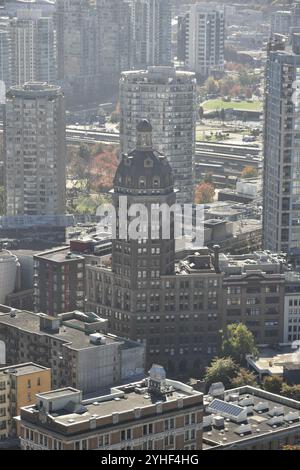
(224, 407)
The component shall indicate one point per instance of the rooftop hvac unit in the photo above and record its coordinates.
(292, 416)
(217, 389)
(141, 390)
(243, 429)
(97, 339)
(218, 422)
(277, 411)
(261, 406)
(234, 397)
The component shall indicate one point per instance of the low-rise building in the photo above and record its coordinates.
(253, 289)
(74, 345)
(19, 385)
(154, 414)
(248, 418)
(59, 278)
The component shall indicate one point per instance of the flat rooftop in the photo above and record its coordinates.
(68, 331)
(122, 399)
(272, 362)
(60, 255)
(23, 369)
(258, 420)
(53, 394)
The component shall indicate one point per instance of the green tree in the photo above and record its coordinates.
(84, 152)
(244, 377)
(291, 391)
(211, 86)
(223, 370)
(272, 384)
(238, 342)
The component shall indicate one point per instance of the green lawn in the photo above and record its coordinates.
(218, 104)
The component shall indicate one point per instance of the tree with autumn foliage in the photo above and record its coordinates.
(204, 193)
(249, 172)
(103, 168)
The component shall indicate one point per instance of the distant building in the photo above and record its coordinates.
(205, 35)
(59, 282)
(154, 414)
(75, 346)
(78, 49)
(35, 150)
(19, 385)
(292, 308)
(281, 22)
(5, 54)
(115, 41)
(33, 43)
(167, 98)
(254, 290)
(281, 207)
(248, 418)
(9, 274)
(151, 32)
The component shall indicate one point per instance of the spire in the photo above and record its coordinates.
(144, 135)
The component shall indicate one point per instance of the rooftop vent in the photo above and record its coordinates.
(276, 421)
(261, 407)
(247, 401)
(277, 411)
(244, 429)
(291, 416)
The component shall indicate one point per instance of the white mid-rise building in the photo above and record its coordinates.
(205, 39)
(33, 47)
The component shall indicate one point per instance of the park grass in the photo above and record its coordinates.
(218, 104)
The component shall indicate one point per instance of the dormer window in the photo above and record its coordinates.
(148, 163)
(142, 182)
(156, 182)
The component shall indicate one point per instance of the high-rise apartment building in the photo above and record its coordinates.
(167, 98)
(35, 150)
(33, 55)
(114, 43)
(281, 22)
(151, 32)
(19, 385)
(205, 35)
(5, 52)
(58, 282)
(281, 215)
